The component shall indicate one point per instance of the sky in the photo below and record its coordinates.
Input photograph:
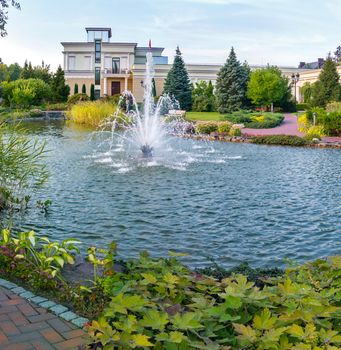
(278, 32)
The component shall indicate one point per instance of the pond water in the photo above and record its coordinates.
(232, 202)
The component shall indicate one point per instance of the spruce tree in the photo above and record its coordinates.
(178, 84)
(328, 87)
(60, 90)
(231, 84)
(92, 92)
(84, 89)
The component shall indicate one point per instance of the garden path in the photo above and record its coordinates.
(289, 126)
(25, 326)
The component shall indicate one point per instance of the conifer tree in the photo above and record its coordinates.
(60, 90)
(328, 87)
(92, 92)
(75, 89)
(178, 84)
(83, 89)
(231, 84)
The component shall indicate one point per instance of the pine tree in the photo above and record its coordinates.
(328, 87)
(60, 91)
(231, 84)
(83, 89)
(75, 89)
(178, 84)
(92, 92)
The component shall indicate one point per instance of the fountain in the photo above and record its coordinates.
(145, 130)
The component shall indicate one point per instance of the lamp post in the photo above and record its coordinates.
(294, 80)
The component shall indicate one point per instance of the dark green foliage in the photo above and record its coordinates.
(285, 140)
(75, 89)
(9, 73)
(203, 97)
(92, 92)
(177, 83)
(4, 5)
(302, 106)
(83, 89)
(38, 72)
(60, 91)
(153, 88)
(231, 85)
(327, 88)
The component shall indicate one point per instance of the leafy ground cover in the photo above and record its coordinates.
(158, 303)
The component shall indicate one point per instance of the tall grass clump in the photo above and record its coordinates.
(92, 113)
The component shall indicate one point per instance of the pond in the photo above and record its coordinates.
(227, 201)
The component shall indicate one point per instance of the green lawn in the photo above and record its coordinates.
(211, 116)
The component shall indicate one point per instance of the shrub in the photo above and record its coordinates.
(285, 140)
(302, 106)
(334, 107)
(92, 92)
(77, 98)
(75, 89)
(224, 127)
(24, 92)
(235, 132)
(84, 89)
(92, 113)
(206, 127)
(330, 121)
(255, 120)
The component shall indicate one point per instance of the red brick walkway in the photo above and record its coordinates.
(25, 326)
(288, 127)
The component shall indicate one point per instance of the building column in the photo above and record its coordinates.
(125, 83)
(105, 87)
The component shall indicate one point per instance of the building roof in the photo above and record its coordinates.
(99, 29)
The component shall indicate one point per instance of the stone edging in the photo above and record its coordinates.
(57, 309)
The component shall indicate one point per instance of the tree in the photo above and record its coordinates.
(38, 72)
(60, 91)
(83, 89)
(203, 97)
(327, 88)
(75, 89)
(306, 91)
(267, 86)
(337, 55)
(231, 84)
(92, 92)
(4, 5)
(178, 84)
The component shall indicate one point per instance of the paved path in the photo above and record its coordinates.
(25, 326)
(288, 127)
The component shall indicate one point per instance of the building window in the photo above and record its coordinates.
(97, 76)
(72, 63)
(97, 94)
(87, 62)
(116, 66)
(98, 45)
